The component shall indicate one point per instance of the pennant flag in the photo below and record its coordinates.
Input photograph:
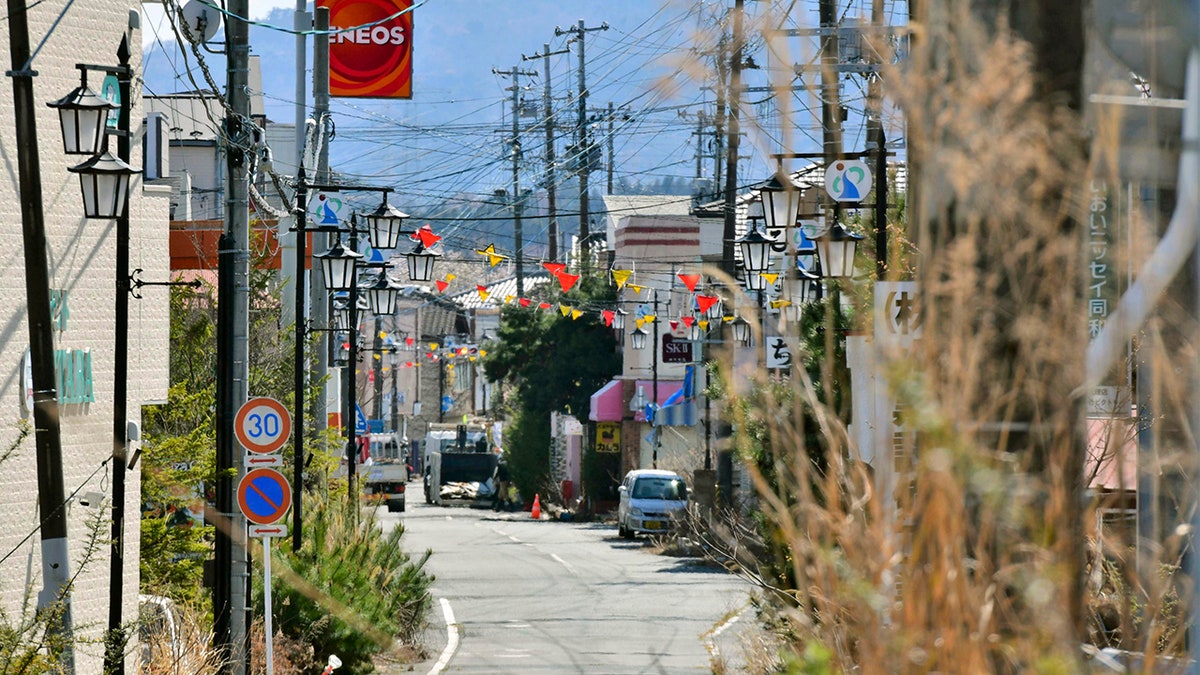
(728, 318)
(426, 236)
(449, 366)
(555, 268)
(441, 285)
(621, 276)
(771, 277)
(608, 315)
(564, 310)
(408, 364)
(524, 302)
(493, 257)
(509, 298)
(703, 323)
(451, 277)
(636, 289)
(482, 353)
(483, 293)
(674, 325)
(432, 346)
(650, 318)
(640, 322)
(688, 321)
(776, 304)
(408, 341)
(567, 281)
(706, 301)
(690, 280)
(575, 314)
(544, 305)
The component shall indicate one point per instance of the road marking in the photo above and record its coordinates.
(451, 638)
(710, 638)
(563, 562)
(514, 539)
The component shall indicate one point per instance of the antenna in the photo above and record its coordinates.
(202, 18)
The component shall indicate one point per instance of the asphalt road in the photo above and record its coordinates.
(514, 595)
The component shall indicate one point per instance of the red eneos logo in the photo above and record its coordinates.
(370, 55)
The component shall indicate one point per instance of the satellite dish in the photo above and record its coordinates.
(202, 19)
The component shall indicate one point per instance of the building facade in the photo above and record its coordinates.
(81, 256)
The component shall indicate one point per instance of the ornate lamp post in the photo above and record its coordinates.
(835, 251)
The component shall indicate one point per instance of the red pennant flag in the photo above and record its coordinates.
(674, 325)
(482, 289)
(441, 285)
(408, 341)
(567, 280)
(525, 302)
(690, 280)
(689, 320)
(608, 315)
(706, 301)
(408, 364)
(555, 268)
(543, 305)
(426, 236)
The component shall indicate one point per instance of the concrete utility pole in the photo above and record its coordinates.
(583, 140)
(831, 108)
(876, 137)
(233, 569)
(515, 199)
(56, 571)
(548, 115)
(610, 114)
(318, 293)
(733, 98)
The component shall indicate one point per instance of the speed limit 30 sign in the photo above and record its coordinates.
(262, 425)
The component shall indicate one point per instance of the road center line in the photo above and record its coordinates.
(564, 563)
(451, 638)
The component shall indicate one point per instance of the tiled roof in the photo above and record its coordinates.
(498, 291)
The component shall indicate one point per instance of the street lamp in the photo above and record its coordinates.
(806, 287)
(638, 338)
(756, 257)
(83, 115)
(338, 266)
(741, 331)
(384, 225)
(618, 322)
(835, 250)
(104, 181)
(420, 262)
(781, 202)
(382, 296)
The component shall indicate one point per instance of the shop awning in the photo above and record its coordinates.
(606, 403)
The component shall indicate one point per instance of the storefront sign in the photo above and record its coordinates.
(370, 48)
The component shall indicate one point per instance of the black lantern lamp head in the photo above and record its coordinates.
(741, 331)
(638, 338)
(338, 266)
(781, 202)
(104, 182)
(381, 296)
(384, 225)
(83, 115)
(420, 262)
(756, 251)
(618, 322)
(836, 249)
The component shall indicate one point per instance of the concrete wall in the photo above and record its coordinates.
(81, 258)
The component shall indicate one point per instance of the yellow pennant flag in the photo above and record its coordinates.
(564, 309)
(575, 314)
(482, 353)
(771, 277)
(621, 277)
(451, 277)
(493, 257)
(651, 318)
(776, 304)
(509, 298)
(640, 322)
(636, 289)
(483, 294)
(703, 323)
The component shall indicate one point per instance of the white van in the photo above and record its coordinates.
(651, 502)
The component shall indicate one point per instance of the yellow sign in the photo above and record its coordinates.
(608, 437)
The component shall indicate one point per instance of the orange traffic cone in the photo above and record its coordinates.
(536, 513)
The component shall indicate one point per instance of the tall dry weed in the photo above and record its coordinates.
(976, 549)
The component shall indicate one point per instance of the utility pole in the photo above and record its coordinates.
(733, 98)
(610, 114)
(516, 199)
(318, 293)
(876, 137)
(233, 569)
(583, 141)
(56, 572)
(831, 108)
(548, 113)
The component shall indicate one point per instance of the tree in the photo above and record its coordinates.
(547, 362)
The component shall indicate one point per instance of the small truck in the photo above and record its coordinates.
(459, 465)
(386, 471)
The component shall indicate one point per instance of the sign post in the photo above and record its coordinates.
(262, 425)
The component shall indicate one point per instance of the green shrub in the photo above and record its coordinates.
(348, 591)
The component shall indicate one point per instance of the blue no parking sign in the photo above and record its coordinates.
(264, 496)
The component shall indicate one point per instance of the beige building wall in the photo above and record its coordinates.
(81, 257)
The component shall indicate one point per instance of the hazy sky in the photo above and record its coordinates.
(155, 21)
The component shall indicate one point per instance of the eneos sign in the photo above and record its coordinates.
(370, 48)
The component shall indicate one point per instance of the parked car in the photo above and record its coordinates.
(651, 501)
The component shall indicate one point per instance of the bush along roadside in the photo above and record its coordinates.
(350, 592)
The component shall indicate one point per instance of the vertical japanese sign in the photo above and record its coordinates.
(370, 48)
(1104, 288)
